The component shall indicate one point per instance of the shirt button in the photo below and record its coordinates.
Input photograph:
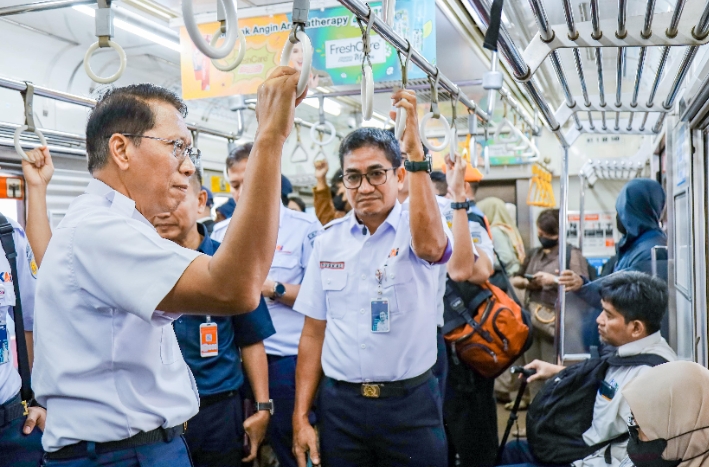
(393, 276)
(363, 346)
(362, 311)
(328, 281)
(364, 277)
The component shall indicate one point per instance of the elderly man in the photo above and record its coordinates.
(109, 370)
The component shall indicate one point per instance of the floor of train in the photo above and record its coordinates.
(503, 415)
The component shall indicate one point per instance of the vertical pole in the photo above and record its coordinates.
(582, 209)
(563, 214)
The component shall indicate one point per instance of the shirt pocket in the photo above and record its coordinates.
(168, 346)
(333, 283)
(283, 266)
(401, 292)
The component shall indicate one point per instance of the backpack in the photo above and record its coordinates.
(561, 413)
(484, 327)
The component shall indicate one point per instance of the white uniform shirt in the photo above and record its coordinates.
(10, 381)
(610, 416)
(107, 364)
(219, 230)
(296, 234)
(340, 283)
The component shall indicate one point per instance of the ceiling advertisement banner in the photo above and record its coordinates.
(337, 44)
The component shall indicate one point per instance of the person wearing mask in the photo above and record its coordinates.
(330, 202)
(296, 234)
(379, 404)
(505, 236)
(543, 290)
(214, 348)
(669, 425)
(633, 306)
(108, 367)
(22, 421)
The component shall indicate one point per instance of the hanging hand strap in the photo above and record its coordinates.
(23, 359)
(493, 30)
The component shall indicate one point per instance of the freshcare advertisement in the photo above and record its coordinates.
(337, 50)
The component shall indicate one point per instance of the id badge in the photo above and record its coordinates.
(4, 345)
(380, 315)
(208, 340)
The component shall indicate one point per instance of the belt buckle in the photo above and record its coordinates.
(371, 391)
(27, 410)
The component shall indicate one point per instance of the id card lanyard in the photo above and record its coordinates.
(208, 339)
(379, 306)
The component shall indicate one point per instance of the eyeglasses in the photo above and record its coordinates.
(179, 149)
(375, 178)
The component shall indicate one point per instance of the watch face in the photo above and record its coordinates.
(280, 289)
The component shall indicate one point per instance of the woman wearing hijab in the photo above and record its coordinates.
(669, 426)
(505, 236)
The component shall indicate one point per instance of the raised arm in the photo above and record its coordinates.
(230, 282)
(461, 266)
(38, 172)
(429, 241)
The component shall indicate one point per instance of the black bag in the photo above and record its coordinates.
(563, 410)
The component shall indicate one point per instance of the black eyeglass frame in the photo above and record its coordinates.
(367, 176)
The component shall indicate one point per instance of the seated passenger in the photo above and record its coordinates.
(379, 404)
(669, 426)
(214, 348)
(633, 306)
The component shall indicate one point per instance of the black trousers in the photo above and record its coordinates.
(470, 416)
(215, 436)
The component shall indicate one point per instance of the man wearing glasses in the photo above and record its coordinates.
(369, 300)
(108, 367)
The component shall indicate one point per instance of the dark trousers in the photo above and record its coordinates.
(281, 388)
(518, 454)
(215, 436)
(471, 416)
(440, 369)
(399, 431)
(161, 454)
(16, 448)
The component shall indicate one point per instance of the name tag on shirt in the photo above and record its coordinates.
(4, 345)
(208, 340)
(380, 315)
(608, 390)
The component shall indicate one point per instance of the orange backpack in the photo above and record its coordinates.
(488, 331)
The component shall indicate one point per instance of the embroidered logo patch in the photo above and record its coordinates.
(332, 265)
(394, 252)
(5, 277)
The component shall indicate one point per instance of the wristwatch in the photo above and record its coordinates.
(279, 290)
(462, 205)
(265, 406)
(418, 166)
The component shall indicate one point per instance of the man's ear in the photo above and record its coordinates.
(119, 149)
(401, 177)
(638, 329)
(201, 202)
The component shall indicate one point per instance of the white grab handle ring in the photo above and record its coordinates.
(18, 146)
(367, 92)
(239, 57)
(196, 35)
(424, 138)
(307, 59)
(314, 129)
(453, 147)
(400, 123)
(121, 68)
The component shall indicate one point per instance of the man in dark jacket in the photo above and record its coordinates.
(639, 208)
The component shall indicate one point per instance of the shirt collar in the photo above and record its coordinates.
(119, 202)
(392, 219)
(636, 347)
(207, 245)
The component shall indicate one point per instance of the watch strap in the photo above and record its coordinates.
(265, 406)
(418, 166)
(462, 205)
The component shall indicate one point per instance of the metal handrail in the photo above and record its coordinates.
(620, 64)
(41, 6)
(622, 17)
(638, 77)
(647, 26)
(599, 69)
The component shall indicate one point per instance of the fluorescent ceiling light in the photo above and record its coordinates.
(331, 107)
(132, 28)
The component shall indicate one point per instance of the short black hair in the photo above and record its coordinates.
(637, 296)
(297, 200)
(238, 154)
(124, 110)
(439, 180)
(548, 221)
(371, 137)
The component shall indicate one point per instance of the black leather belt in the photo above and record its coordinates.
(206, 401)
(86, 449)
(12, 410)
(382, 390)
